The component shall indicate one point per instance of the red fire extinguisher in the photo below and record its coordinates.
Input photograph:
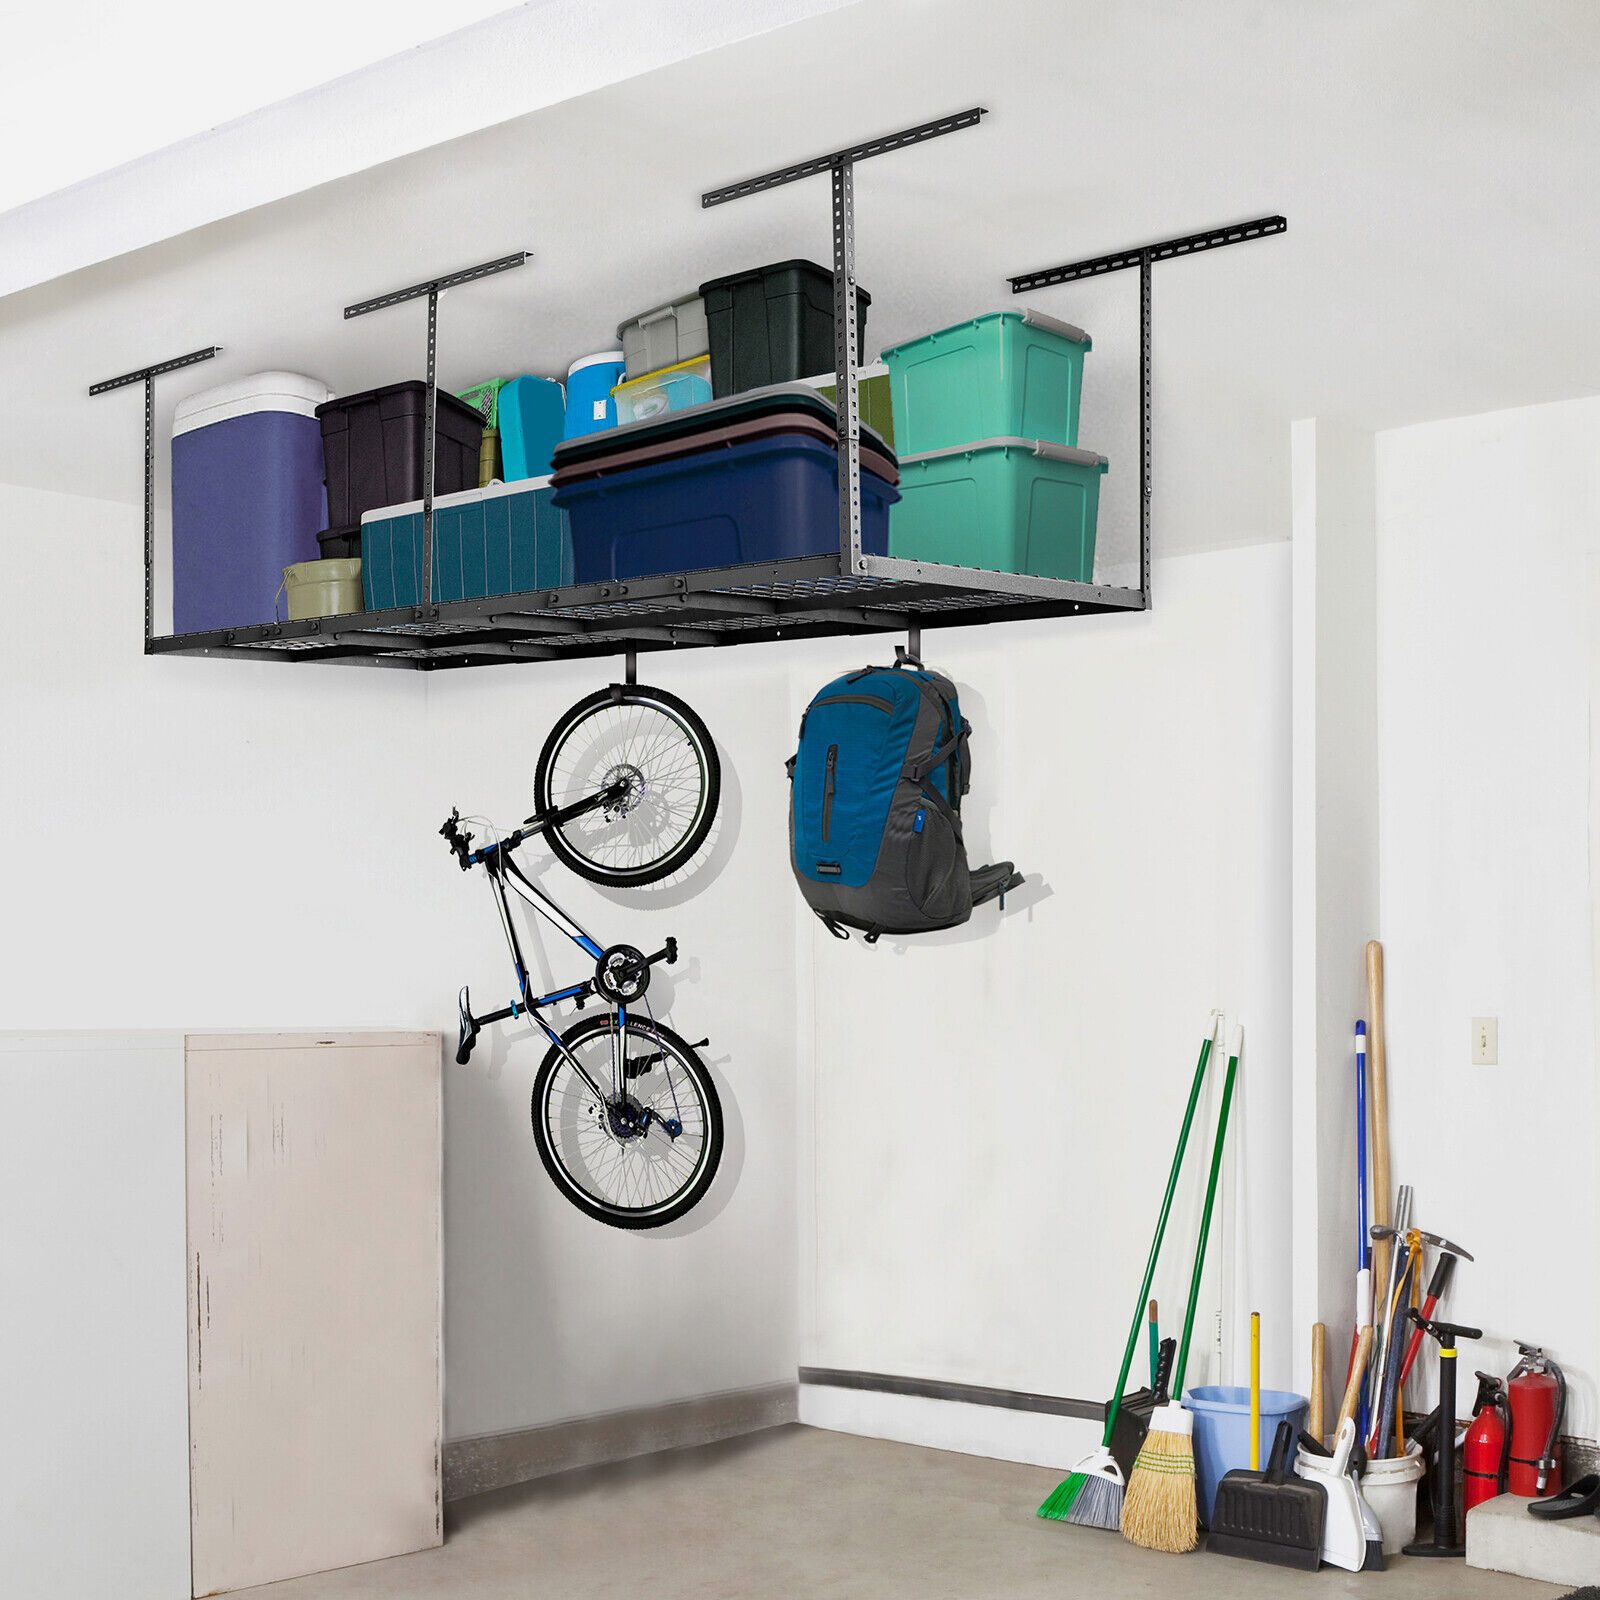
(1536, 1391)
(1486, 1455)
(1511, 1445)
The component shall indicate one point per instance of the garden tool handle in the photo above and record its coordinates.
(1314, 1417)
(1358, 1368)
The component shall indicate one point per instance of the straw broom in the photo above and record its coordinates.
(1160, 1510)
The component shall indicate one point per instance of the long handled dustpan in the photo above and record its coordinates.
(1272, 1515)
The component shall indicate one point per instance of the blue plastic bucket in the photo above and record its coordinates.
(1222, 1431)
(590, 381)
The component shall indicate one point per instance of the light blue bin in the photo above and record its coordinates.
(1222, 1432)
(533, 416)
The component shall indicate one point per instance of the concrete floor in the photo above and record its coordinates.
(797, 1511)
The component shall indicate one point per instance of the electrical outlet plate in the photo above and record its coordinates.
(1485, 1041)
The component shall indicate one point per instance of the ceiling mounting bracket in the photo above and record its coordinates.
(1144, 257)
(147, 376)
(431, 290)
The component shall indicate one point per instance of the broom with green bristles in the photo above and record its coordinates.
(1160, 1510)
(1091, 1494)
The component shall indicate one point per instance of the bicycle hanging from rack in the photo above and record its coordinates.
(625, 1115)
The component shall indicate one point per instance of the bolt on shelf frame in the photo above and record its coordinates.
(846, 591)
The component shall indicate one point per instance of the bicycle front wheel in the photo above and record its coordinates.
(657, 752)
(632, 1144)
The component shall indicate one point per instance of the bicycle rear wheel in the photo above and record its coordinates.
(661, 753)
(614, 1154)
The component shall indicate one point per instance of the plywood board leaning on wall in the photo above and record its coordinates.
(314, 1302)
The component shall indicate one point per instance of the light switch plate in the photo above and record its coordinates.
(1486, 1041)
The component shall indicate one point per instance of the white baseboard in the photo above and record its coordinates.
(1035, 1438)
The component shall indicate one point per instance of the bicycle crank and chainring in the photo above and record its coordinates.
(621, 975)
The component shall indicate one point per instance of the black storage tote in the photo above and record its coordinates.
(773, 325)
(372, 449)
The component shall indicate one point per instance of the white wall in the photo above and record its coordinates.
(993, 1109)
(1489, 661)
(211, 844)
(1335, 871)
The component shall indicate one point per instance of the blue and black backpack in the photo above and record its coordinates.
(875, 805)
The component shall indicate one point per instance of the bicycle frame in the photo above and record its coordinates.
(503, 873)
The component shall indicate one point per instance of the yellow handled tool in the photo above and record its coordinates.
(1255, 1391)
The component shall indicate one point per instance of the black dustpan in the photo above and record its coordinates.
(1133, 1415)
(1272, 1515)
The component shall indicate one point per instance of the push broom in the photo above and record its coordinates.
(1091, 1494)
(1160, 1510)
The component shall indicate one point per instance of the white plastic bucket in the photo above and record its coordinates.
(1390, 1488)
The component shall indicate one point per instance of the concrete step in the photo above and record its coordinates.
(1502, 1537)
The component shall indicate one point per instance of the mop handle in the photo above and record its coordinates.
(1363, 1240)
(1161, 1229)
(1205, 1215)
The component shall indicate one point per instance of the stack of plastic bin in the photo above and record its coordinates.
(986, 418)
(752, 478)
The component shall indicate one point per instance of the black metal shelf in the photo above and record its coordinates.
(845, 591)
(808, 599)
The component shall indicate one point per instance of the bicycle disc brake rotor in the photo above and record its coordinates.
(622, 974)
(634, 786)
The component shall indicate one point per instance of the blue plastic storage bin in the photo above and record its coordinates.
(1222, 1432)
(590, 380)
(773, 499)
(504, 539)
(533, 416)
(247, 497)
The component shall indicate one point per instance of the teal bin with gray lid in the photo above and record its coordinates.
(1007, 375)
(1008, 505)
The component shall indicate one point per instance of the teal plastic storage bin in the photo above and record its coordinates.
(1222, 1432)
(1010, 505)
(504, 539)
(1010, 375)
(533, 418)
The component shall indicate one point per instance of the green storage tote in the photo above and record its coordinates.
(504, 539)
(1008, 375)
(1007, 505)
(872, 395)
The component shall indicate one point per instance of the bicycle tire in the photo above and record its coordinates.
(568, 1184)
(606, 701)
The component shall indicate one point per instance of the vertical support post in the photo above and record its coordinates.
(149, 509)
(1144, 427)
(845, 356)
(630, 666)
(430, 424)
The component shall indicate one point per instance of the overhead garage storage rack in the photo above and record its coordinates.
(846, 591)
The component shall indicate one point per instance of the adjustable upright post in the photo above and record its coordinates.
(147, 376)
(846, 378)
(430, 430)
(432, 289)
(1144, 427)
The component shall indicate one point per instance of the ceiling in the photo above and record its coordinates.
(176, 91)
(1434, 158)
